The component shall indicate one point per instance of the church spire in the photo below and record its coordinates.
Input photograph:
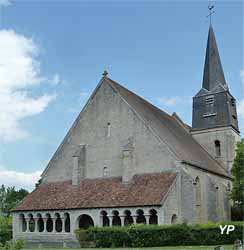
(213, 71)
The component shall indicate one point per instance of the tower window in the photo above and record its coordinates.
(217, 148)
(233, 102)
(209, 100)
(234, 117)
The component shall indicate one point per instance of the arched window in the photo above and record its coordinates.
(108, 132)
(40, 223)
(105, 219)
(153, 219)
(174, 219)
(58, 223)
(49, 226)
(67, 223)
(105, 172)
(23, 223)
(31, 223)
(85, 221)
(116, 219)
(140, 219)
(217, 148)
(128, 218)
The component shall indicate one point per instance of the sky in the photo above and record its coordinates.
(53, 54)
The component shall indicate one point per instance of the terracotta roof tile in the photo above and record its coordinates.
(143, 190)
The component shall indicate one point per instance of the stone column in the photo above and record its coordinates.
(122, 218)
(45, 225)
(36, 225)
(147, 219)
(27, 225)
(63, 224)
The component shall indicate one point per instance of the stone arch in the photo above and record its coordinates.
(174, 219)
(85, 221)
(153, 219)
(66, 222)
(31, 223)
(128, 220)
(217, 148)
(49, 225)
(23, 223)
(40, 223)
(116, 219)
(140, 218)
(105, 219)
(58, 223)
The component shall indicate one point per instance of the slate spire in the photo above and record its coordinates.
(213, 71)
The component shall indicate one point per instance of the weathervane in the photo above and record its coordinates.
(211, 11)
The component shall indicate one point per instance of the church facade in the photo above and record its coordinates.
(125, 161)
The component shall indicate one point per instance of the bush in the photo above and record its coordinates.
(237, 213)
(13, 245)
(163, 235)
(5, 229)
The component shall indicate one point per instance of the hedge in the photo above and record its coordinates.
(159, 235)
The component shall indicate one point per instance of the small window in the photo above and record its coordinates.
(233, 102)
(105, 172)
(108, 132)
(217, 148)
(234, 117)
(209, 100)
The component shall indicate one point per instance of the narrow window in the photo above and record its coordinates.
(217, 148)
(233, 102)
(105, 172)
(108, 133)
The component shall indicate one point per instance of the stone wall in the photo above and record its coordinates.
(108, 150)
(227, 137)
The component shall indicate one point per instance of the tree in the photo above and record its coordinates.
(237, 194)
(9, 197)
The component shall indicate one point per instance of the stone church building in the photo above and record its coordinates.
(126, 161)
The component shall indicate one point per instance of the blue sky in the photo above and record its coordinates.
(154, 48)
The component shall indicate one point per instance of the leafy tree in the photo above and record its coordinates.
(238, 172)
(9, 197)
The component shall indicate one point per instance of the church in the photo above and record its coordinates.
(125, 161)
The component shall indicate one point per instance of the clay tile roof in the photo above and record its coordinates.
(143, 190)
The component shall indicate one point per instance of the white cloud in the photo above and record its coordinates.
(173, 101)
(56, 79)
(5, 2)
(19, 70)
(19, 179)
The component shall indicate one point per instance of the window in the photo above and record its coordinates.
(105, 172)
(217, 148)
(233, 102)
(108, 132)
(234, 117)
(209, 99)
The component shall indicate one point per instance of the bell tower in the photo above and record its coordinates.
(214, 119)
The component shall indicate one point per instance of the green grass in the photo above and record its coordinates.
(226, 247)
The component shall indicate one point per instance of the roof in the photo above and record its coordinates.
(143, 190)
(168, 128)
(213, 71)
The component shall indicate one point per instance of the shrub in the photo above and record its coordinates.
(5, 229)
(163, 235)
(13, 245)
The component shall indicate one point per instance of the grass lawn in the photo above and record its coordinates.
(226, 247)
